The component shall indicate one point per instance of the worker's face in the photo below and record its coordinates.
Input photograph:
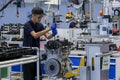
(37, 18)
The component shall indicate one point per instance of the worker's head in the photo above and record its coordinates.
(37, 14)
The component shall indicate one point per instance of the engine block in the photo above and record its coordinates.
(57, 62)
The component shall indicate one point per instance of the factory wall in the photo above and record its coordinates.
(10, 13)
(96, 10)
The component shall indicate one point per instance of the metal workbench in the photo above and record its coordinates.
(23, 60)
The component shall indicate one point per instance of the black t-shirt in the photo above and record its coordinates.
(72, 25)
(29, 40)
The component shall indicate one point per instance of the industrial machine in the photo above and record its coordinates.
(94, 65)
(57, 62)
(9, 53)
(76, 72)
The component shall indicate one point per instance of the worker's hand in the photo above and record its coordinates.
(54, 32)
(53, 27)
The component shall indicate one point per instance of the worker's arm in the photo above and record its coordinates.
(48, 36)
(54, 32)
(40, 33)
(29, 30)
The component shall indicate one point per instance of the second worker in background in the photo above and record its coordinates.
(73, 24)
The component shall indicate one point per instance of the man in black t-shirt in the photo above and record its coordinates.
(33, 29)
(73, 24)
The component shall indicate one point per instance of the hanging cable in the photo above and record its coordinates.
(6, 5)
(2, 14)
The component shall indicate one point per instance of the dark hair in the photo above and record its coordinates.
(37, 10)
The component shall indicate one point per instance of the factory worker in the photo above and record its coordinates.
(115, 30)
(33, 29)
(73, 24)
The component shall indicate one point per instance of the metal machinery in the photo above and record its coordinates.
(94, 63)
(96, 52)
(97, 48)
(57, 62)
(12, 32)
(8, 53)
(93, 67)
(10, 56)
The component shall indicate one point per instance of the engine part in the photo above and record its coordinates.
(52, 67)
(57, 61)
(52, 45)
(8, 53)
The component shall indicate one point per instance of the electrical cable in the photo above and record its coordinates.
(2, 13)
(6, 5)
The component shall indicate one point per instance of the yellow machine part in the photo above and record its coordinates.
(75, 72)
(101, 12)
(87, 15)
(69, 15)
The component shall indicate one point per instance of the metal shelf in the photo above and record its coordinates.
(77, 52)
(92, 37)
(23, 60)
(21, 42)
(10, 35)
(14, 42)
